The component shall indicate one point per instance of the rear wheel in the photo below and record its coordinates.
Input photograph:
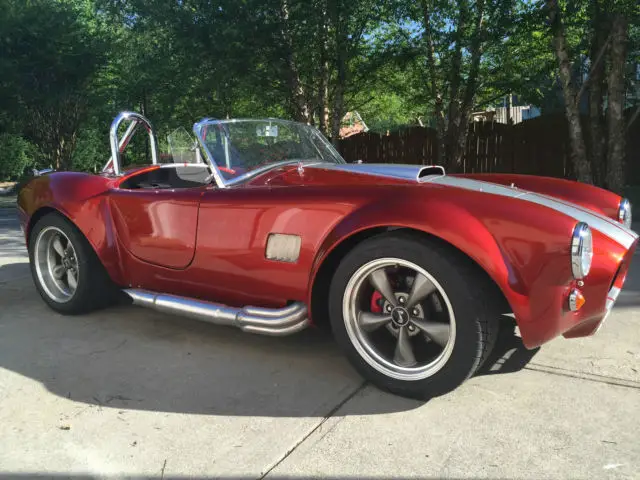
(411, 315)
(66, 271)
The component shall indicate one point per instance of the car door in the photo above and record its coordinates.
(157, 226)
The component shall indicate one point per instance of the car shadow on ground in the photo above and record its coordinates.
(129, 357)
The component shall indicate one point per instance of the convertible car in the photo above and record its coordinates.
(266, 228)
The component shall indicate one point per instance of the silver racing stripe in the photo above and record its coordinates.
(606, 226)
(416, 173)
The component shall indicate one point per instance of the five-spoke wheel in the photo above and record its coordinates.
(411, 331)
(411, 314)
(56, 264)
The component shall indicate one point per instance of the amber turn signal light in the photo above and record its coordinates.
(576, 300)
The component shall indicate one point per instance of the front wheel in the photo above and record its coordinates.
(411, 315)
(66, 271)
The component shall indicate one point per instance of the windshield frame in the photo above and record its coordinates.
(217, 175)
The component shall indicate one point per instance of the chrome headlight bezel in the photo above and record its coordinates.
(624, 212)
(581, 251)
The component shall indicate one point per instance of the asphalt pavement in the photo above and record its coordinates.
(130, 393)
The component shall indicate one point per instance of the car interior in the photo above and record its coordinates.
(170, 176)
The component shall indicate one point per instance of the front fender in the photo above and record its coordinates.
(516, 243)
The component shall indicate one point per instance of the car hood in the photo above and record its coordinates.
(435, 175)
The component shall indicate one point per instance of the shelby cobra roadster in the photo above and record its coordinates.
(268, 229)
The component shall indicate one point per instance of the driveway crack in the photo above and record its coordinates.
(591, 377)
(331, 413)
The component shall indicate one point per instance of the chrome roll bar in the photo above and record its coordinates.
(118, 145)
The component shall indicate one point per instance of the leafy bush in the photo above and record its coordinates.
(91, 152)
(16, 156)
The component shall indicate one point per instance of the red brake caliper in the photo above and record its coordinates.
(376, 302)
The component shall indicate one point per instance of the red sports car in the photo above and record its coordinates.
(269, 230)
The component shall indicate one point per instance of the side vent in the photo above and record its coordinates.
(430, 171)
(283, 248)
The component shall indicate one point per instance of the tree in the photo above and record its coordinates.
(450, 49)
(578, 151)
(50, 57)
(600, 31)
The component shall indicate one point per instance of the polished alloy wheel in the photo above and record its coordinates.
(399, 319)
(56, 264)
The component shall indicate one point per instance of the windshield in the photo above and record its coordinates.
(241, 148)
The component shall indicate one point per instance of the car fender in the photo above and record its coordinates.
(518, 256)
(83, 200)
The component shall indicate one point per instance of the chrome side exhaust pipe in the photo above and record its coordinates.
(264, 321)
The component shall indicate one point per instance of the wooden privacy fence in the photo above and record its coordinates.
(539, 146)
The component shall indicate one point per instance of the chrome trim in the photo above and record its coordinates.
(612, 297)
(573, 298)
(118, 146)
(612, 229)
(624, 213)
(264, 321)
(581, 244)
(215, 171)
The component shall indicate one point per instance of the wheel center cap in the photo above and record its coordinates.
(400, 316)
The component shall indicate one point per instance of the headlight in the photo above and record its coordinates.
(581, 251)
(624, 213)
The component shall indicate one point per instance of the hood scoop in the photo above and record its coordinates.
(430, 171)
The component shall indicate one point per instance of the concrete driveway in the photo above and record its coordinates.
(130, 393)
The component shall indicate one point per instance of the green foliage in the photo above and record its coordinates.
(68, 66)
(16, 156)
(50, 54)
(92, 150)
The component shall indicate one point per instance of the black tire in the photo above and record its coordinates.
(476, 322)
(94, 290)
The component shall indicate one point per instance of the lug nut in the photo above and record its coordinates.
(401, 299)
(411, 328)
(388, 308)
(415, 312)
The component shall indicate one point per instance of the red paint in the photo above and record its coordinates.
(209, 243)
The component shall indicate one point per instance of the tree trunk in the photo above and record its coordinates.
(615, 108)
(341, 42)
(437, 96)
(460, 142)
(579, 159)
(596, 97)
(301, 108)
(323, 89)
(453, 123)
